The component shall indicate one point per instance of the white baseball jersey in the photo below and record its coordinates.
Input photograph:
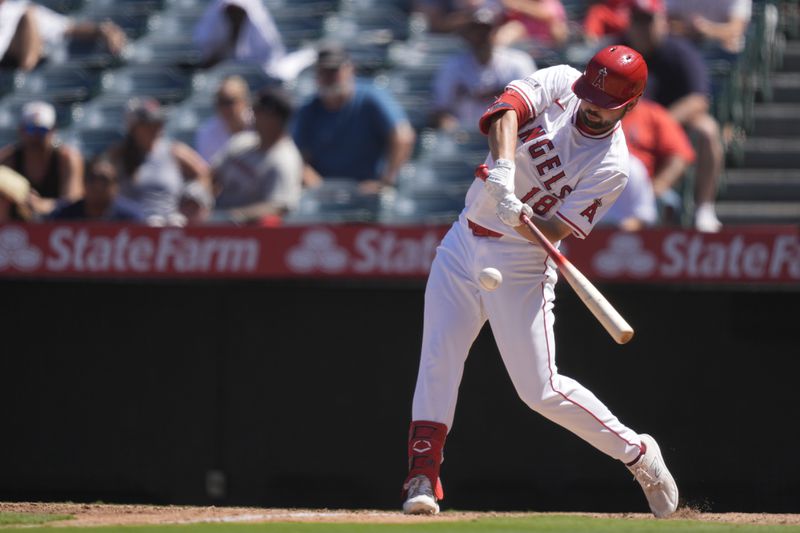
(560, 169)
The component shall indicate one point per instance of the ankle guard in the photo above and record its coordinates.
(425, 444)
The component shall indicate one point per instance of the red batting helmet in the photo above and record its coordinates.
(614, 76)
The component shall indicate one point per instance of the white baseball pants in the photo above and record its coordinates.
(520, 312)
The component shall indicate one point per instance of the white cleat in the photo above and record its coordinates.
(656, 481)
(420, 499)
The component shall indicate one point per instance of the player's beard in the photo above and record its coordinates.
(594, 122)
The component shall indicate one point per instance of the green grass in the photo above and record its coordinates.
(538, 524)
(19, 519)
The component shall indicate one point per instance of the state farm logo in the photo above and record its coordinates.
(625, 255)
(366, 251)
(695, 256)
(76, 249)
(317, 250)
(17, 252)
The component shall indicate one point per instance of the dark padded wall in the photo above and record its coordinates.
(300, 393)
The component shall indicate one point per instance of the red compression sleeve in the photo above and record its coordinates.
(507, 101)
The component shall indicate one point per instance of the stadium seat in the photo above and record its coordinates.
(368, 58)
(185, 6)
(162, 48)
(337, 200)
(299, 24)
(205, 83)
(176, 23)
(92, 142)
(132, 16)
(380, 24)
(417, 108)
(424, 207)
(354, 5)
(425, 51)
(450, 175)
(101, 112)
(127, 6)
(6, 82)
(62, 6)
(315, 6)
(436, 144)
(61, 84)
(8, 116)
(185, 118)
(165, 84)
(407, 81)
(89, 55)
(8, 136)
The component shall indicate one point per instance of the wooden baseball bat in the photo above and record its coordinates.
(603, 311)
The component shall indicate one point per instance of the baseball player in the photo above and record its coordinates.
(557, 155)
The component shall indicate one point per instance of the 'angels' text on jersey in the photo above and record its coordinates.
(560, 169)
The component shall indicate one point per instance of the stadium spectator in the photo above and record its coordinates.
(30, 32)
(14, 192)
(449, 16)
(636, 208)
(54, 170)
(721, 23)
(656, 139)
(349, 129)
(679, 80)
(242, 30)
(259, 173)
(542, 21)
(151, 168)
(605, 19)
(469, 80)
(195, 204)
(233, 115)
(101, 201)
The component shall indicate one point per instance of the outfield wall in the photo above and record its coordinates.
(298, 394)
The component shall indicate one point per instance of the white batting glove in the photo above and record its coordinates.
(500, 181)
(509, 209)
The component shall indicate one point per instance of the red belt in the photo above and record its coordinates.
(480, 231)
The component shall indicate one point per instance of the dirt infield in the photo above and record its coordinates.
(98, 514)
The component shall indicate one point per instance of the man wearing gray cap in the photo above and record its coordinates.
(351, 130)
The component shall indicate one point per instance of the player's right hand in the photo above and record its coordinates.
(510, 208)
(500, 181)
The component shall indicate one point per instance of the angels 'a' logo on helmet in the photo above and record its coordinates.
(600, 80)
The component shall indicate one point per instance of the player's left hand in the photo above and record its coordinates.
(509, 209)
(500, 181)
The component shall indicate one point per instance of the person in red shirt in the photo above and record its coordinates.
(606, 18)
(660, 142)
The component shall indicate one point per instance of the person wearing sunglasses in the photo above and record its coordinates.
(101, 202)
(54, 170)
(233, 114)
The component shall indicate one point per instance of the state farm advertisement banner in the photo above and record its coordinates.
(746, 255)
(72, 250)
(769, 255)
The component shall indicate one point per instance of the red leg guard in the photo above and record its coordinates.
(425, 444)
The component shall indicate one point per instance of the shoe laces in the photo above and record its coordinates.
(419, 486)
(648, 475)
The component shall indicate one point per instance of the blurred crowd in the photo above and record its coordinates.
(260, 150)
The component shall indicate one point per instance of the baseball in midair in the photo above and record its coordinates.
(490, 278)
